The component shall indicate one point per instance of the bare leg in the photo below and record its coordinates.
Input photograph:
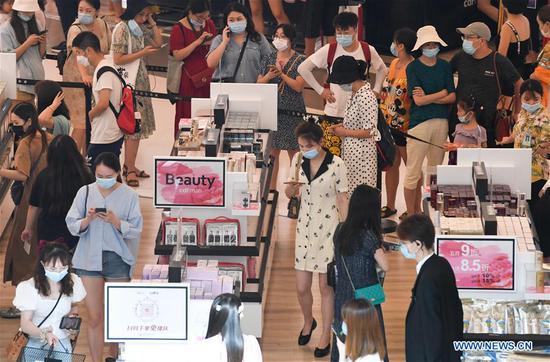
(410, 200)
(113, 347)
(257, 10)
(94, 305)
(392, 181)
(274, 178)
(278, 11)
(79, 136)
(327, 310)
(418, 203)
(305, 298)
(130, 154)
(309, 46)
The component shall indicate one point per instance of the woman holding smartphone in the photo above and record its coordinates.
(107, 218)
(237, 52)
(134, 38)
(46, 298)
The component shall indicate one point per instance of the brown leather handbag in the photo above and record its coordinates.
(504, 117)
(202, 78)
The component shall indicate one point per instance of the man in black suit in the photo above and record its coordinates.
(434, 319)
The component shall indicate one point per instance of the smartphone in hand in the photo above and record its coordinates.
(43, 32)
(72, 323)
(100, 210)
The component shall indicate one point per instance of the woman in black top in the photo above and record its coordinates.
(357, 242)
(53, 192)
(515, 35)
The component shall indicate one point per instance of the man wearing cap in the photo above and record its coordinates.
(430, 82)
(478, 67)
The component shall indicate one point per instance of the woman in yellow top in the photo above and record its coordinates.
(542, 71)
(532, 130)
(395, 105)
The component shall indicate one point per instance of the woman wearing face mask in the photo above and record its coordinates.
(322, 186)
(395, 105)
(78, 69)
(359, 130)
(189, 42)
(23, 36)
(468, 133)
(53, 288)
(237, 52)
(53, 193)
(357, 251)
(139, 30)
(532, 130)
(430, 84)
(363, 336)
(106, 216)
(29, 161)
(282, 68)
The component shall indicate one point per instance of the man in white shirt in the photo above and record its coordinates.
(107, 91)
(335, 97)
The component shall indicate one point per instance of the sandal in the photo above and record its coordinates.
(139, 173)
(10, 313)
(387, 212)
(403, 215)
(132, 182)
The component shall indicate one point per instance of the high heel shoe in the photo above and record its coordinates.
(303, 340)
(320, 353)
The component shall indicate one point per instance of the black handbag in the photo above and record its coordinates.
(295, 202)
(18, 187)
(331, 274)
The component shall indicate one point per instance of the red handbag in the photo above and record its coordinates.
(202, 78)
(222, 231)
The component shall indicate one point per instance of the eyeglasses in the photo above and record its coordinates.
(56, 270)
(470, 37)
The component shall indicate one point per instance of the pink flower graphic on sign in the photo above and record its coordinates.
(184, 185)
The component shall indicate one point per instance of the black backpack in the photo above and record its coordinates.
(386, 146)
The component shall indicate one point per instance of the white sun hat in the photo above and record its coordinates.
(26, 5)
(427, 34)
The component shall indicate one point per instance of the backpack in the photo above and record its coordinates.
(332, 52)
(126, 117)
(385, 148)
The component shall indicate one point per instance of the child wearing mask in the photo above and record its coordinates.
(468, 133)
(532, 130)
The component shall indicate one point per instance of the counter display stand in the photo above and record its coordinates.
(256, 225)
(527, 256)
(6, 157)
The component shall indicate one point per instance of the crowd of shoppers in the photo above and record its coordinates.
(65, 207)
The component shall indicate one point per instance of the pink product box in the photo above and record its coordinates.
(206, 283)
(155, 271)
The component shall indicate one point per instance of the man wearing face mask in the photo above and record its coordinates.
(478, 68)
(430, 82)
(106, 136)
(435, 317)
(336, 97)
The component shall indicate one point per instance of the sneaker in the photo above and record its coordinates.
(10, 313)
(387, 212)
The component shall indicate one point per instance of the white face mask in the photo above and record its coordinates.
(82, 60)
(280, 44)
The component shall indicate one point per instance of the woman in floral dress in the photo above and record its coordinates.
(138, 28)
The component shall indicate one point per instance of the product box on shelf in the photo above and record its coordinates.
(222, 231)
(187, 230)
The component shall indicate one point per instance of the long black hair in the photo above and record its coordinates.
(225, 320)
(363, 216)
(46, 91)
(239, 8)
(53, 252)
(27, 112)
(65, 174)
(197, 7)
(471, 104)
(18, 28)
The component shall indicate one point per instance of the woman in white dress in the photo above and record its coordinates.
(322, 186)
(359, 130)
(225, 341)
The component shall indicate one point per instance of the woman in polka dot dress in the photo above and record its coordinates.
(359, 129)
(322, 186)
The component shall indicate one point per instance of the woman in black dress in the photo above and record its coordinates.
(282, 68)
(358, 242)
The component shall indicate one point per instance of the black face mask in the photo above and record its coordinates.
(18, 131)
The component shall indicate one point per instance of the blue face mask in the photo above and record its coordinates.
(85, 19)
(344, 329)
(56, 277)
(198, 24)
(344, 39)
(393, 50)
(531, 108)
(24, 17)
(106, 183)
(464, 119)
(406, 253)
(237, 27)
(468, 47)
(430, 53)
(311, 154)
(135, 28)
(346, 87)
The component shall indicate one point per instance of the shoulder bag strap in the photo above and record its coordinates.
(297, 167)
(240, 57)
(496, 74)
(347, 272)
(86, 200)
(49, 314)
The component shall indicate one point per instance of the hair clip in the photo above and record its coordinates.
(311, 119)
(218, 307)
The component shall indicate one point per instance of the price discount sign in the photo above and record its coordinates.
(485, 263)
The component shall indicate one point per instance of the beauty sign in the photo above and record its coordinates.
(189, 182)
(142, 311)
(481, 262)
